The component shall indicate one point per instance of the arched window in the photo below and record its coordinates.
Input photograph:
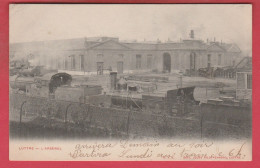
(167, 62)
(72, 61)
(82, 63)
(193, 61)
(219, 59)
(138, 61)
(209, 60)
(149, 61)
(66, 64)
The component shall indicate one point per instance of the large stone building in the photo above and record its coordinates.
(94, 55)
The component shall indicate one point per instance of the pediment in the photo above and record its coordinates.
(109, 45)
(234, 48)
(215, 47)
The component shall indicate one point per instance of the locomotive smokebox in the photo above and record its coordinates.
(113, 80)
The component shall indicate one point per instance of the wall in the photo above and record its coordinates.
(54, 53)
(111, 57)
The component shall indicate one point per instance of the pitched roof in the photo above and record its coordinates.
(245, 63)
(186, 44)
(231, 47)
(182, 46)
(66, 44)
(109, 44)
(215, 47)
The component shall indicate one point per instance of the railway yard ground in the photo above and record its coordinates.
(205, 88)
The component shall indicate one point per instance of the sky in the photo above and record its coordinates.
(39, 22)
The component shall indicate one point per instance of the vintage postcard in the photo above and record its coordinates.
(129, 82)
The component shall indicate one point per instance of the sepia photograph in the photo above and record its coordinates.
(130, 81)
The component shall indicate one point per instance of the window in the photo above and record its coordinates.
(249, 81)
(138, 61)
(59, 65)
(73, 61)
(82, 60)
(100, 67)
(209, 60)
(240, 81)
(65, 64)
(219, 59)
(149, 61)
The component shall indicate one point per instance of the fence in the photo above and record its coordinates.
(75, 119)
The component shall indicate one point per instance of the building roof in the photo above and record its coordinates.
(215, 47)
(141, 46)
(245, 64)
(230, 47)
(184, 45)
(110, 42)
(66, 44)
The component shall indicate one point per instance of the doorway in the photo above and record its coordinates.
(166, 62)
(100, 67)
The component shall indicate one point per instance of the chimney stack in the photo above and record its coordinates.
(192, 34)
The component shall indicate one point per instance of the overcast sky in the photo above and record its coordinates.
(229, 23)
